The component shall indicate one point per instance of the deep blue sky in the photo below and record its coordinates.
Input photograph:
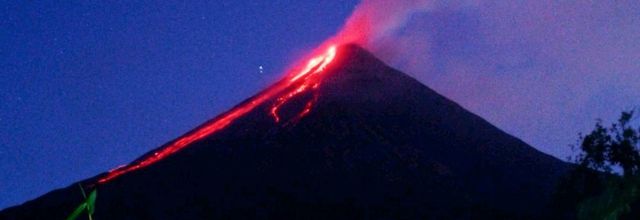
(89, 85)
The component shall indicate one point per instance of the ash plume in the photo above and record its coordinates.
(541, 70)
(372, 20)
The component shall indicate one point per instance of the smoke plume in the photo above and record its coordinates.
(542, 70)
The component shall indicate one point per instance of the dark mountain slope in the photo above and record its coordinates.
(377, 144)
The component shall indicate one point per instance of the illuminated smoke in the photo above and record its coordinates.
(542, 70)
(373, 20)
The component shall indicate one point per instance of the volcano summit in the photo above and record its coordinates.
(346, 137)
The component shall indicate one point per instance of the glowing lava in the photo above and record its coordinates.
(315, 66)
(299, 83)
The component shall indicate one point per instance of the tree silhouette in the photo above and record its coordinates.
(606, 181)
(617, 146)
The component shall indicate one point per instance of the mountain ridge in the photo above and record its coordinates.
(375, 143)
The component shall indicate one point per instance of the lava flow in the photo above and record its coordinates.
(300, 81)
(315, 66)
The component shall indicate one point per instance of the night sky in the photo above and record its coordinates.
(88, 86)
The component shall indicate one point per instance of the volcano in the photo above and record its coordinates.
(347, 137)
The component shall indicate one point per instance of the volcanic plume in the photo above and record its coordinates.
(342, 137)
(542, 70)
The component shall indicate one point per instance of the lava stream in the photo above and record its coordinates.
(315, 66)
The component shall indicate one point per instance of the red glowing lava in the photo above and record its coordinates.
(302, 81)
(315, 66)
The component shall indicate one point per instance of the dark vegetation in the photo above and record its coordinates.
(606, 182)
(88, 205)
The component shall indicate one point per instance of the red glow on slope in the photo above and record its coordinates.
(308, 106)
(315, 66)
(282, 100)
(320, 62)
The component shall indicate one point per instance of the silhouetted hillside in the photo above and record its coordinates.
(376, 144)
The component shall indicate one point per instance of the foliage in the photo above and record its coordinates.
(616, 146)
(616, 200)
(595, 189)
(88, 204)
